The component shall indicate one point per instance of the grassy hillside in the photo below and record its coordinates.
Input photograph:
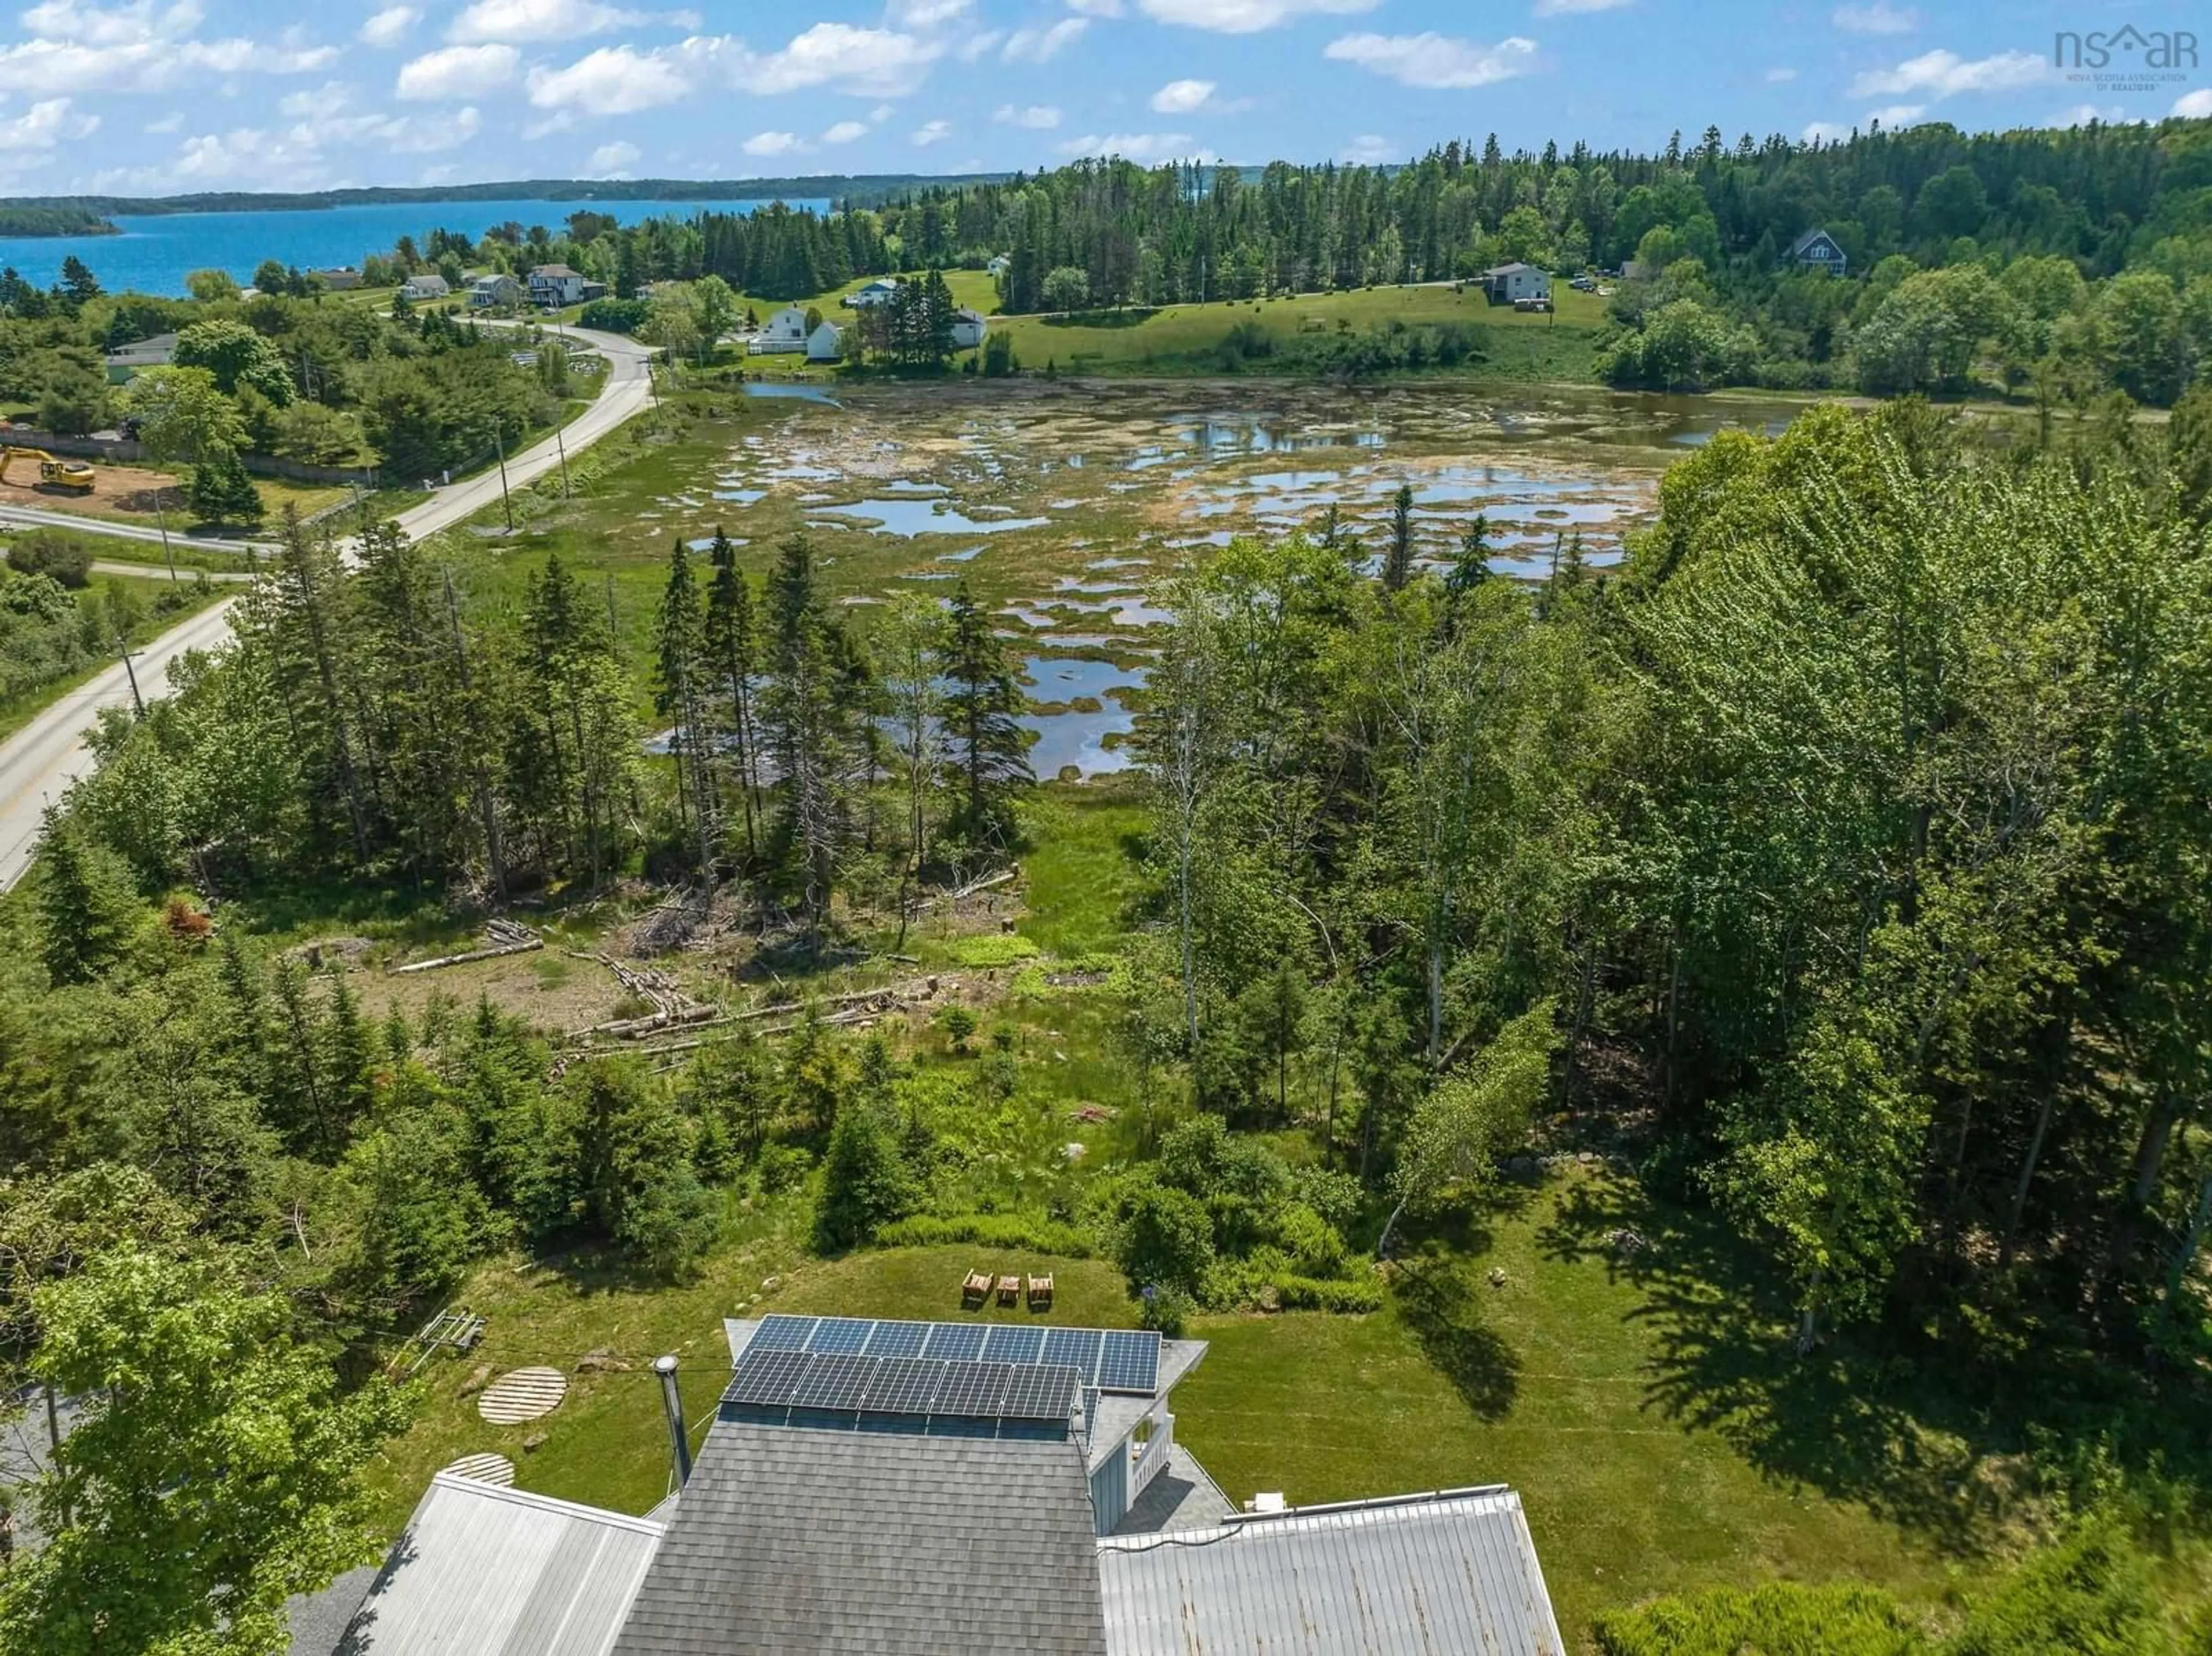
(1187, 338)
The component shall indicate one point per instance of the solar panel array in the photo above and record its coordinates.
(1112, 1360)
(780, 1381)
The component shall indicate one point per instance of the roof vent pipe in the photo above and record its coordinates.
(679, 1446)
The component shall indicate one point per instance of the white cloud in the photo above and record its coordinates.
(1182, 97)
(846, 132)
(1096, 8)
(1245, 16)
(1558, 7)
(172, 122)
(1943, 74)
(611, 81)
(110, 26)
(772, 144)
(325, 100)
(1878, 18)
(1041, 46)
(1826, 132)
(45, 124)
(1896, 115)
(930, 132)
(540, 20)
(1369, 150)
(388, 27)
(1037, 118)
(874, 62)
(137, 48)
(880, 113)
(616, 157)
(1776, 76)
(457, 72)
(928, 13)
(1131, 146)
(1435, 60)
(2193, 106)
(978, 45)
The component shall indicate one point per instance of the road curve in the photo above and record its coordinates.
(37, 763)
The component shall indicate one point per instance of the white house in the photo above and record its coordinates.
(968, 328)
(1816, 250)
(125, 360)
(1000, 264)
(826, 343)
(877, 292)
(499, 292)
(1509, 284)
(427, 285)
(785, 335)
(557, 285)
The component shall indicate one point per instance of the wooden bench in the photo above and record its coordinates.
(1010, 1290)
(975, 1290)
(1041, 1293)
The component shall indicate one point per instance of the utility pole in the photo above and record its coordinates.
(162, 518)
(137, 702)
(561, 448)
(499, 437)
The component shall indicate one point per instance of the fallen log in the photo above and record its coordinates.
(467, 955)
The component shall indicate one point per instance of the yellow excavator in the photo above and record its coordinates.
(61, 474)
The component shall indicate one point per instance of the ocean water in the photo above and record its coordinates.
(155, 251)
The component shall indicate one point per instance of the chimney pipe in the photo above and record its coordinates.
(673, 1404)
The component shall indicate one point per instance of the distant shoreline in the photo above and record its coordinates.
(857, 189)
(21, 222)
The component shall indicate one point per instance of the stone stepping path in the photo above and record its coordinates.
(522, 1394)
(485, 1469)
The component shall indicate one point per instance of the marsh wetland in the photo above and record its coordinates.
(1067, 506)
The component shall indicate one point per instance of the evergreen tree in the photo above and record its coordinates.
(1398, 557)
(220, 492)
(813, 724)
(731, 662)
(87, 913)
(984, 704)
(680, 697)
(865, 1183)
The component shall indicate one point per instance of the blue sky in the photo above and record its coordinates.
(165, 95)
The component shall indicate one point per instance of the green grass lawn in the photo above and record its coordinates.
(1641, 1474)
(1646, 1410)
(1186, 338)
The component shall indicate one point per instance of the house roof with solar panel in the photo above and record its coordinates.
(888, 1488)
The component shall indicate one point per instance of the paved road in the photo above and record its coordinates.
(31, 516)
(37, 763)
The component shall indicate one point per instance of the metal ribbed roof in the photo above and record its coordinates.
(484, 1571)
(1453, 1572)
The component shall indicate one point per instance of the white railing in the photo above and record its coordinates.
(1151, 1455)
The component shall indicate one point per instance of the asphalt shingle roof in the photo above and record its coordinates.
(793, 1541)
